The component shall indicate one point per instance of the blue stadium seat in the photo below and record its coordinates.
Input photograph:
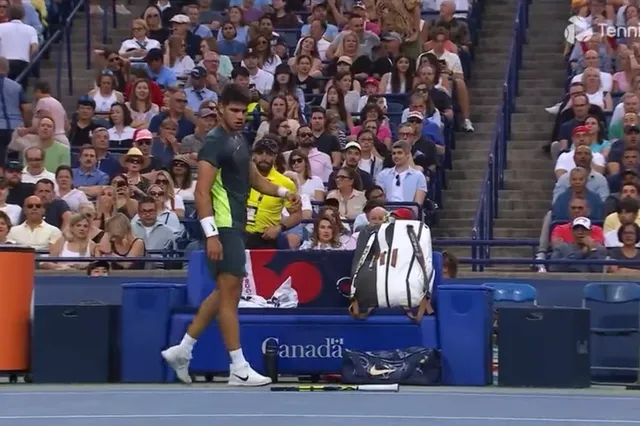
(614, 315)
(510, 294)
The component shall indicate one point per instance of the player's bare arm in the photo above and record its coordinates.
(262, 185)
(206, 177)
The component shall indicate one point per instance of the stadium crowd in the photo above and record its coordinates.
(595, 143)
(352, 106)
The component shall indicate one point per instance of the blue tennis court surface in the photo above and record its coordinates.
(121, 405)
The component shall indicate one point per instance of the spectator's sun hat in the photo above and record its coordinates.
(391, 36)
(581, 221)
(346, 60)
(135, 153)
(182, 158)
(180, 19)
(355, 145)
(142, 135)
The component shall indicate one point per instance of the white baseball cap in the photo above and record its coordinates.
(581, 221)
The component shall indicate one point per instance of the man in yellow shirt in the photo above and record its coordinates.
(265, 222)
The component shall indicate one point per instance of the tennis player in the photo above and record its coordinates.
(225, 176)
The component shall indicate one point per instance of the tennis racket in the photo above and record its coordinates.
(338, 388)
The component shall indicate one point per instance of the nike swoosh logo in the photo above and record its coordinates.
(244, 379)
(375, 372)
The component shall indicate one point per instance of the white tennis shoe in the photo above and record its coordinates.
(244, 375)
(178, 358)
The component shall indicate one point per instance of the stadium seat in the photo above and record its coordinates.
(510, 294)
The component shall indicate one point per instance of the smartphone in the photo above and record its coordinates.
(443, 63)
(252, 86)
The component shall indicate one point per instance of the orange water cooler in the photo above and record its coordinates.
(17, 272)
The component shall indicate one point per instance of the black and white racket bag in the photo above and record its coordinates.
(392, 268)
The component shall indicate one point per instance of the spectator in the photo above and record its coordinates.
(133, 163)
(106, 203)
(140, 104)
(578, 179)
(176, 57)
(264, 213)
(11, 211)
(18, 190)
(34, 231)
(424, 152)
(235, 19)
(630, 188)
(630, 166)
(174, 202)
(16, 110)
(112, 62)
(592, 60)
(67, 193)
(366, 40)
(375, 197)
(595, 182)
(324, 29)
(143, 140)
(449, 265)
(630, 104)
(193, 12)
(629, 235)
(596, 134)
(120, 132)
(311, 186)
(229, 43)
(630, 140)
(18, 43)
(84, 122)
(176, 111)
(593, 89)
(295, 235)
(35, 170)
(5, 228)
(191, 145)
(184, 184)
(139, 44)
(325, 142)
(105, 94)
(278, 109)
(584, 247)
(616, 130)
(74, 243)
(352, 155)
(57, 212)
(95, 232)
(56, 153)
(46, 102)
(627, 213)
(107, 161)
(259, 79)
(217, 75)
(374, 215)
(165, 145)
(157, 71)
(403, 183)
(351, 201)
(580, 109)
(99, 268)
(325, 236)
(319, 161)
(146, 225)
(198, 92)
(118, 241)
(307, 48)
(180, 25)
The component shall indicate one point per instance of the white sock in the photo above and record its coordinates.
(237, 357)
(188, 342)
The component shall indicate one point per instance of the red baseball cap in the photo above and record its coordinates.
(580, 130)
(403, 213)
(371, 80)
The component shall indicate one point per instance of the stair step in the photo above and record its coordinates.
(514, 233)
(524, 208)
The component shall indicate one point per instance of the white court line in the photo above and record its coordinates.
(320, 416)
(188, 390)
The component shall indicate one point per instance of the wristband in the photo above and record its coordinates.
(209, 226)
(282, 192)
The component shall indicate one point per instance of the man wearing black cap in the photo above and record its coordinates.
(18, 190)
(226, 175)
(198, 92)
(164, 76)
(261, 80)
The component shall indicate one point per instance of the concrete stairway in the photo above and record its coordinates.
(529, 173)
(83, 79)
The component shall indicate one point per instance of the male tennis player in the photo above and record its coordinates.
(225, 176)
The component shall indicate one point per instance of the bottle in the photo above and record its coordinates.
(270, 359)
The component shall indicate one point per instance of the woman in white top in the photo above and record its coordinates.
(137, 47)
(12, 211)
(268, 60)
(325, 236)
(183, 183)
(311, 186)
(105, 94)
(174, 202)
(74, 243)
(400, 79)
(370, 160)
(67, 193)
(594, 91)
(140, 106)
(308, 47)
(165, 215)
(176, 58)
(120, 132)
(350, 89)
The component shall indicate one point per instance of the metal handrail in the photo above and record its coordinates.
(493, 182)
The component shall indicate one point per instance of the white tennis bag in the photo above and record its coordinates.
(393, 267)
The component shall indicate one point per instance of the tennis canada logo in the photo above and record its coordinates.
(329, 348)
(577, 30)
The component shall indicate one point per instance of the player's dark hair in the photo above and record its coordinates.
(234, 94)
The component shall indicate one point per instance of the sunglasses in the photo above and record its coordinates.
(34, 159)
(134, 161)
(342, 177)
(305, 134)
(296, 160)
(34, 206)
(154, 15)
(138, 29)
(179, 164)
(156, 194)
(144, 142)
(162, 182)
(397, 180)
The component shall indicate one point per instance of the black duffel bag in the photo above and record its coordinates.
(411, 366)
